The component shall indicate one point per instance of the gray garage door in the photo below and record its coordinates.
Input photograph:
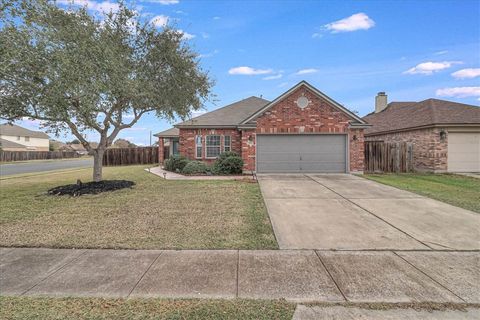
(301, 153)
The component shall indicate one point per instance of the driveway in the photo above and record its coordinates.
(41, 166)
(346, 212)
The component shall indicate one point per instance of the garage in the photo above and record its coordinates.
(463, 152)
(301, 153)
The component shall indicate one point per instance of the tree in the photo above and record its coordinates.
(123, 143)
(79, 73)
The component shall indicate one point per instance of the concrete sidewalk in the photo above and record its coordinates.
(296, 275)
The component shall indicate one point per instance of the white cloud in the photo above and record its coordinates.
(164, 2)
(439, 53)
(467, 73)
(205, 35)
(208, 55)
(317, 35)
(248, 71)
(306, 71)
(430, 67)
(186, 35)
(277, 76)
(159, 21)
(283, 84)
(216, 18)
(358, 21)
(104, 6)
(459, 92)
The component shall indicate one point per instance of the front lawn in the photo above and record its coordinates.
(96, 308)
(155, 214)
(460, 191)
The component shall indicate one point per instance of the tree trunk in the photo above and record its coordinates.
(97, 164)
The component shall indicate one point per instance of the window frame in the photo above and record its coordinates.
(207, 146)
(27, 139)
(197, 156)
(229, 143)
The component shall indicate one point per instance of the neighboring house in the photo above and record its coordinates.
(77, 147)
(21, 139)
(445, 135)
(303, 130)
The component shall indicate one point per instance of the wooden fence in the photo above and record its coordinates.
(9, 156)
(388, 157)
(127, 156)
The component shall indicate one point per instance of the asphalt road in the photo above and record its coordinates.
(42, 166)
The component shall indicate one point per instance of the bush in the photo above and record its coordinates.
(175, 163)
(195, 167)
(228, 163)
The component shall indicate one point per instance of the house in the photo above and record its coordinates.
(77, 147)
(16, 138)
(445, 134)
(303, 130)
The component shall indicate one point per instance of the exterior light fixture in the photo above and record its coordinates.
(443, 135)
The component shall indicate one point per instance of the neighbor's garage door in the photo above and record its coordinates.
(301, 153)
(463, 152)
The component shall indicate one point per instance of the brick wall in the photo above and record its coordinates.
(429, 152)
(248, 150)
(187, 141)
(319, 116)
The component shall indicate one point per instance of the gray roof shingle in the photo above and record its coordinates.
(10, 144)
(405, 115)
(230, 115)
(172, 132)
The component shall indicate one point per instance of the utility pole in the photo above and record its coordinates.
(150, 138)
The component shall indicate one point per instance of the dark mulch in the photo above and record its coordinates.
(81, 188)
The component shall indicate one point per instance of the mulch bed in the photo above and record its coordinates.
(93, 187)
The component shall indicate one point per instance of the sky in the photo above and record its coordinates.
(349, 50)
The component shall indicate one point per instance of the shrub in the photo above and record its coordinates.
(175, 163)
(195, 167)
(228, 163)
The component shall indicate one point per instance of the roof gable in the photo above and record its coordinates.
(335, 104)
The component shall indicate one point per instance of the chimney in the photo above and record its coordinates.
(380, 102)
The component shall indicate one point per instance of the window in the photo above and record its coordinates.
(27, 139)
(213, 146)
(198, 147)
(18, 138)
(227, 143)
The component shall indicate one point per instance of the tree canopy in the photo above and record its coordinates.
(77, 72)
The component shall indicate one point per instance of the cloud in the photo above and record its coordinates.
(248, 71)
(466, 73)
(277, 76)
(164, 2)
(103, 7)
(459, 92)
(216, 18)
(205, 35)
(283, 84)
(208, 55)
(306, 71)
(186, 35)
(439, 53)
(159, 21)
(317, 35)
(358, 21)
(430, 67)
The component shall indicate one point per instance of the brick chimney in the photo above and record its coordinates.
(380, 102)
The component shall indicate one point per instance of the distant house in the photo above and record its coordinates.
(16, 138)
(77, 147)
(445, 134)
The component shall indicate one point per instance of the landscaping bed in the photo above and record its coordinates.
(227, 163)
(92, 187)
(460, 191)
(155, 214)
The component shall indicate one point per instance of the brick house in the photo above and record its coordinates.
(303, 130)
(445, 135)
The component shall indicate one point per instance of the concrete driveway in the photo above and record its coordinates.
(346, 212)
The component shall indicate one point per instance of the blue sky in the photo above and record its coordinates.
(350, 50)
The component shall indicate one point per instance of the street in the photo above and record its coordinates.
(41, 166)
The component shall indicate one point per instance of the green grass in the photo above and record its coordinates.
(96, 308)
(457, 190)
(155, 214)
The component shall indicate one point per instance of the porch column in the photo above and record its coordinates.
(160, 150)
